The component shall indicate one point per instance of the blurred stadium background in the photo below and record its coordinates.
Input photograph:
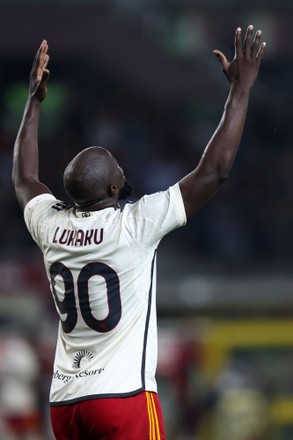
(139, 77)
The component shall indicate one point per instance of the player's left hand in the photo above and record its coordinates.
(244, 68)
(39, 73)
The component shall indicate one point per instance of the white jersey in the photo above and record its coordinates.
(101, 267)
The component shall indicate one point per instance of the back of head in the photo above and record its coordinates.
(89, 176)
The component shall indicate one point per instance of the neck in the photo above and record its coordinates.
(97, 205)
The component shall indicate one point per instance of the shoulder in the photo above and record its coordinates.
(159, 202)
(43, 205)
(46, 199)
(155, 215)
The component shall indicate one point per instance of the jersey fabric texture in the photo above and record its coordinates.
(101, 266)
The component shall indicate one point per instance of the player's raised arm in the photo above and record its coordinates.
(25, 173)
(217, 159)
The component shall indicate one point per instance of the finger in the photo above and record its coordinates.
(43, 53)
(248, 40)
(46, 75)
(39, 73)
(256, 44)
(223, 60)
(36, 58)
(42, 60)
(260, 52)
(238, 43)
(40, 65)
(45, 62)
(43, 47)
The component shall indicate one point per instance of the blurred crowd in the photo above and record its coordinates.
(248, 221)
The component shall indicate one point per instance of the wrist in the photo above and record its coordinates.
(33, 101)
(239, 91)
(238, 98)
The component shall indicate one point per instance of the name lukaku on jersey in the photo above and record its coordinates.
(78, 237)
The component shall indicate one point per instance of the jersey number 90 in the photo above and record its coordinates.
(68, 304)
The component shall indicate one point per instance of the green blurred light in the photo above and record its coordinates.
(52, 109)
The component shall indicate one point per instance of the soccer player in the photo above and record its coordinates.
(101, 260)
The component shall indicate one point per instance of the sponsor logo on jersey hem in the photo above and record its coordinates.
(81, 357)
(65, 378)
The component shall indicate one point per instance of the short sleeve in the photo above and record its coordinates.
(155, 215)
(36, 213)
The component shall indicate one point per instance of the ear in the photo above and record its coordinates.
(114, 190)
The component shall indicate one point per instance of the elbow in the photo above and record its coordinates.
(19, 180)
(221, 175)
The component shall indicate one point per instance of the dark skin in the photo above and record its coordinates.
(93, 179)
(197, 187)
